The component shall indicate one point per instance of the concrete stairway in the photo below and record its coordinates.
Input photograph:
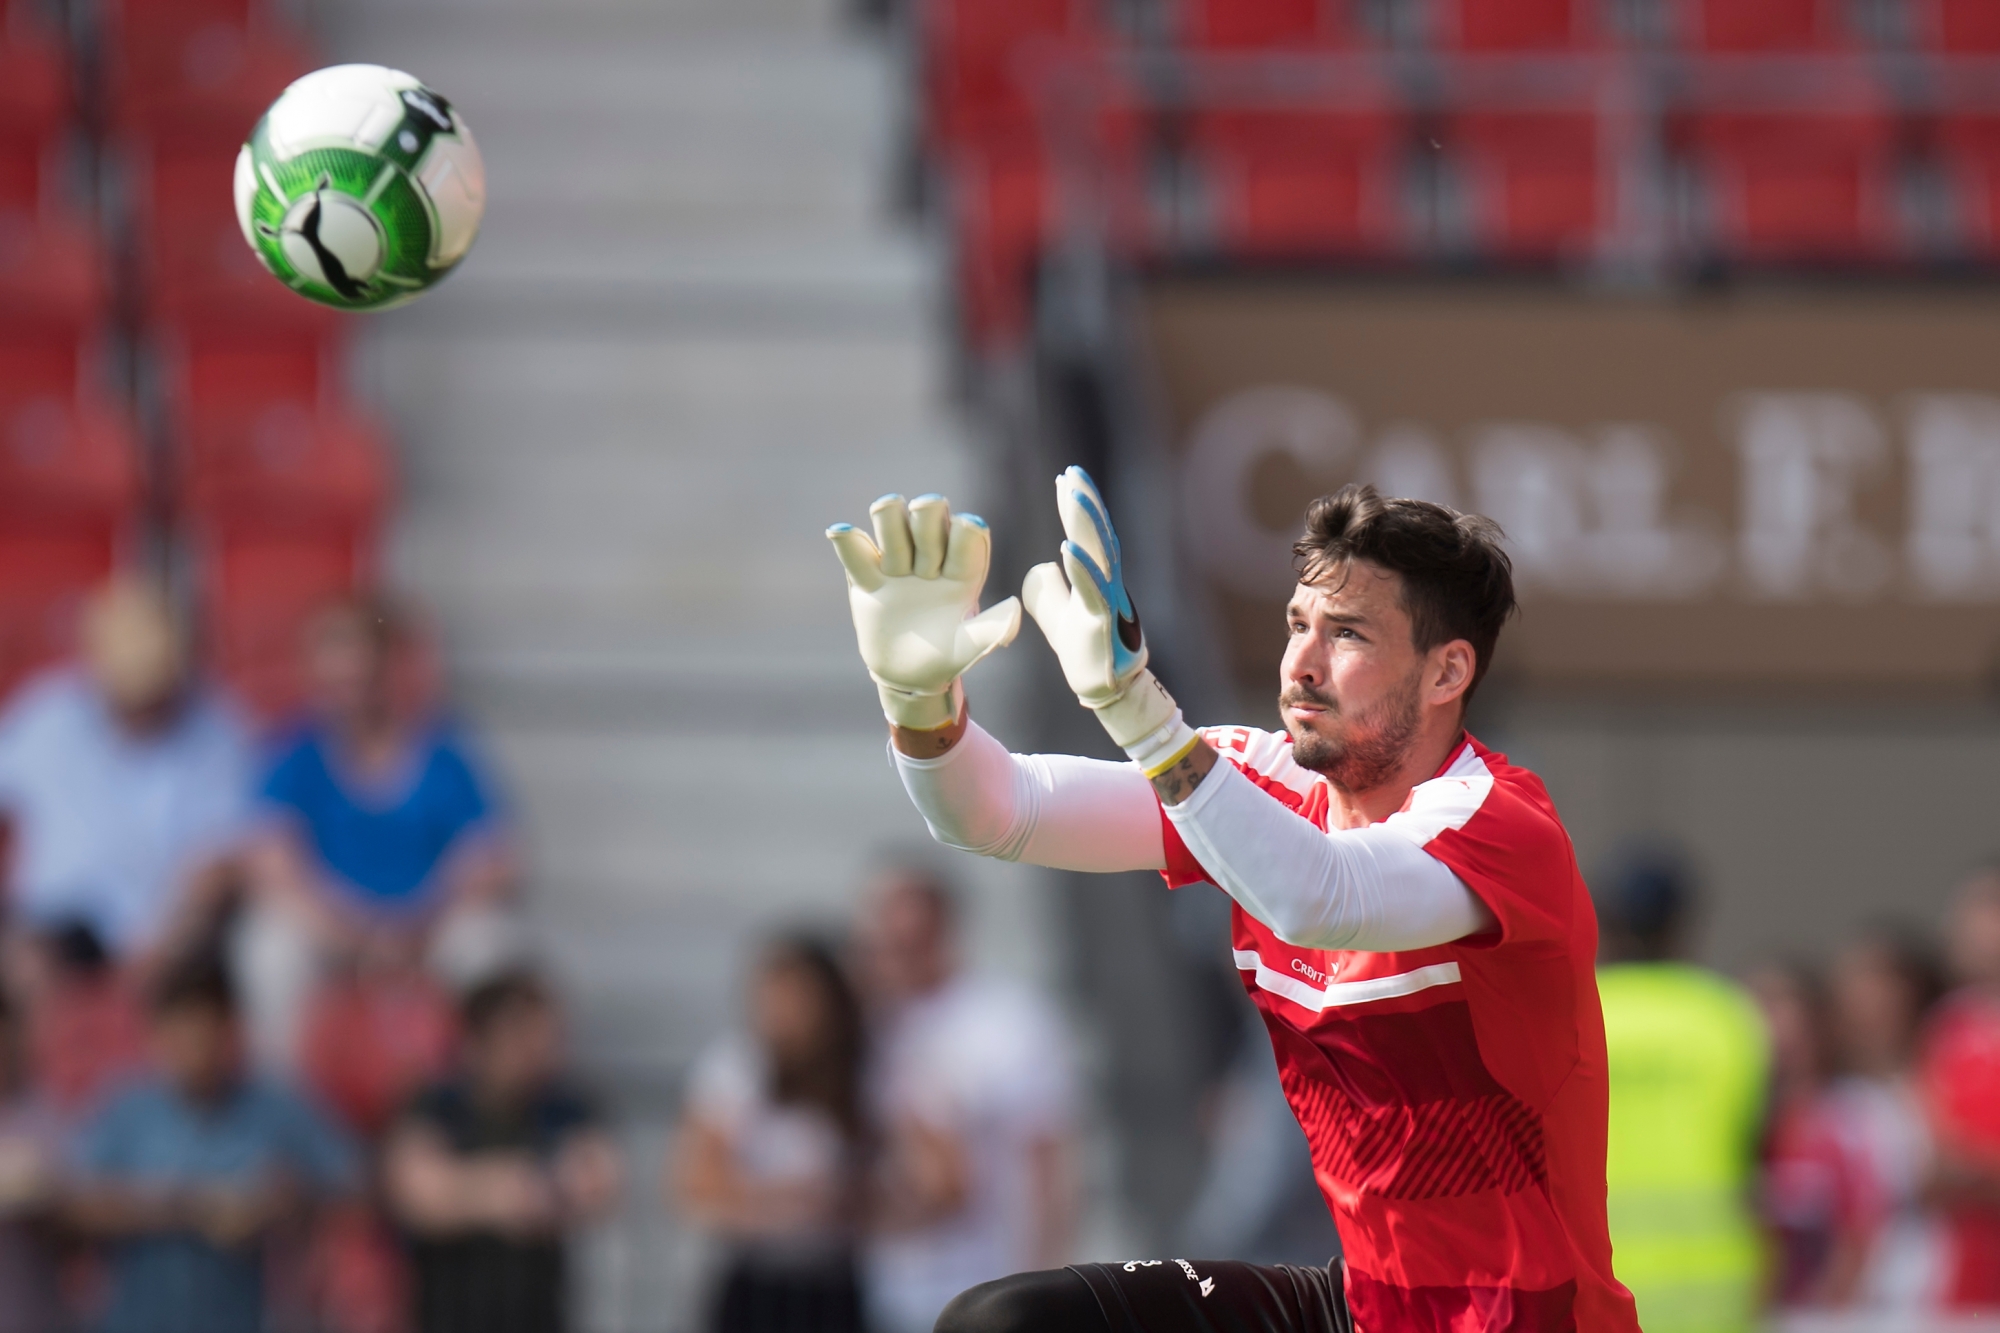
(687, 340)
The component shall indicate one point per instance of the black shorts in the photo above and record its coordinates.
(1157, 1296)
(1218, 1296)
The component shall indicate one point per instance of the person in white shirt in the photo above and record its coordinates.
(126, 782)
(986, 1067)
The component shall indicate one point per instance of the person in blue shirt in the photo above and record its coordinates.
(188, 1173)
(386, 821)
(383, 851)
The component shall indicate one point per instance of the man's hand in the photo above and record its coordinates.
(914, 591)
(1090, 621)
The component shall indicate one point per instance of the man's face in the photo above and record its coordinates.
(347, 667)
(905, 943)
(198, 1048)
(520, 1049)
(1973, 941)
(1351, 686)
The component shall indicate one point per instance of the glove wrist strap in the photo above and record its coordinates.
(1146, 723)
(921, 712)
(1165, 747)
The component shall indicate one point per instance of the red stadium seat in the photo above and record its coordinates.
(1533, 165)
(1000, 200)
(282, 506)
(196, 65)
(1534, 181)
(1797, 159)
(1747, 26)
(68, 496)
(1790, 187)
(1302, 183)
(1965, 132)
(372, 1042)
(977, 60)
(50, 262)
(1515, 25)
(1265, 25)
(1958, 27)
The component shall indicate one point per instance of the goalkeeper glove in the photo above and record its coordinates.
(914, 592)
(1090, 622)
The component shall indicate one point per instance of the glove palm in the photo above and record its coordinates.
(914, 594)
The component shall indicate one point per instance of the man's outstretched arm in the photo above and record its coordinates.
(1055, 810)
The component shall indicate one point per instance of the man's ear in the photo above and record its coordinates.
(1451, 669)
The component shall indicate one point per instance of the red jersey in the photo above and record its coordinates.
(1455, 1098)
(1959, 1071)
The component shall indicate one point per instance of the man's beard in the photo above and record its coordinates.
(1374, 747)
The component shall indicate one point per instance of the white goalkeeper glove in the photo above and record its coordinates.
(1090, 622)
(914, 592)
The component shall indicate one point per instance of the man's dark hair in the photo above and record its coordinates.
(1457, 580)
(200, 982)
(498, 996)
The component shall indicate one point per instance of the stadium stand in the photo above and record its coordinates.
(1293, 177)
(273, 487)
(1531, 157)
(68, 467)
(1791, 133)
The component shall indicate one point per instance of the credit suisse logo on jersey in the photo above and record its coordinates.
(1313, 974)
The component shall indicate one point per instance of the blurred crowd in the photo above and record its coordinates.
(1822, 1137)
(887, 1130)
(272, 1053)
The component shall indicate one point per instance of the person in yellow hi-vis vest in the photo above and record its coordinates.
(1689, 1071)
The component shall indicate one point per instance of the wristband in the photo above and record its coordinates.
(1165, 747)
(921, 712)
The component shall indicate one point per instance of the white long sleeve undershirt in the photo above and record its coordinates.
(1371, 888)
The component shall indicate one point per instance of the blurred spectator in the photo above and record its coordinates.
(387, 834)
(191, 1172)
(30, 1154)
(1888, 1251)
(1810, 1195)
(1688, 1069)
(489, 1170)
(1960, 1077)
(770, 1156)
(985, 1067)
(127, 784)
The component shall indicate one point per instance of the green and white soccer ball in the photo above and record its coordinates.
(360, 187)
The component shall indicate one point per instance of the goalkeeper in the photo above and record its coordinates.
(1408, 916)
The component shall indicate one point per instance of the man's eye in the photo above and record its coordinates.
(1345, 632)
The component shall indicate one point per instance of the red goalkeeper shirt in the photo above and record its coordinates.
(1454, 1097)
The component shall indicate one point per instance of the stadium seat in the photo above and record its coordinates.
(1746, 26)
(50, 262)
(1305, 183)
(1291, 177)
(1958, 27)
(281, 507)
(1514, 25)
(1797, 162)
(984, 133)
(370, 1042)
(1531, 161)
(1265, 25)
(69, 495)
(187, 65)
(1964, 132)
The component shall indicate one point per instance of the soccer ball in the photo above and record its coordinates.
(360, 187)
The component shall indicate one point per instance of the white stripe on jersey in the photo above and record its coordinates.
(1341, 993)
(1447, 801)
